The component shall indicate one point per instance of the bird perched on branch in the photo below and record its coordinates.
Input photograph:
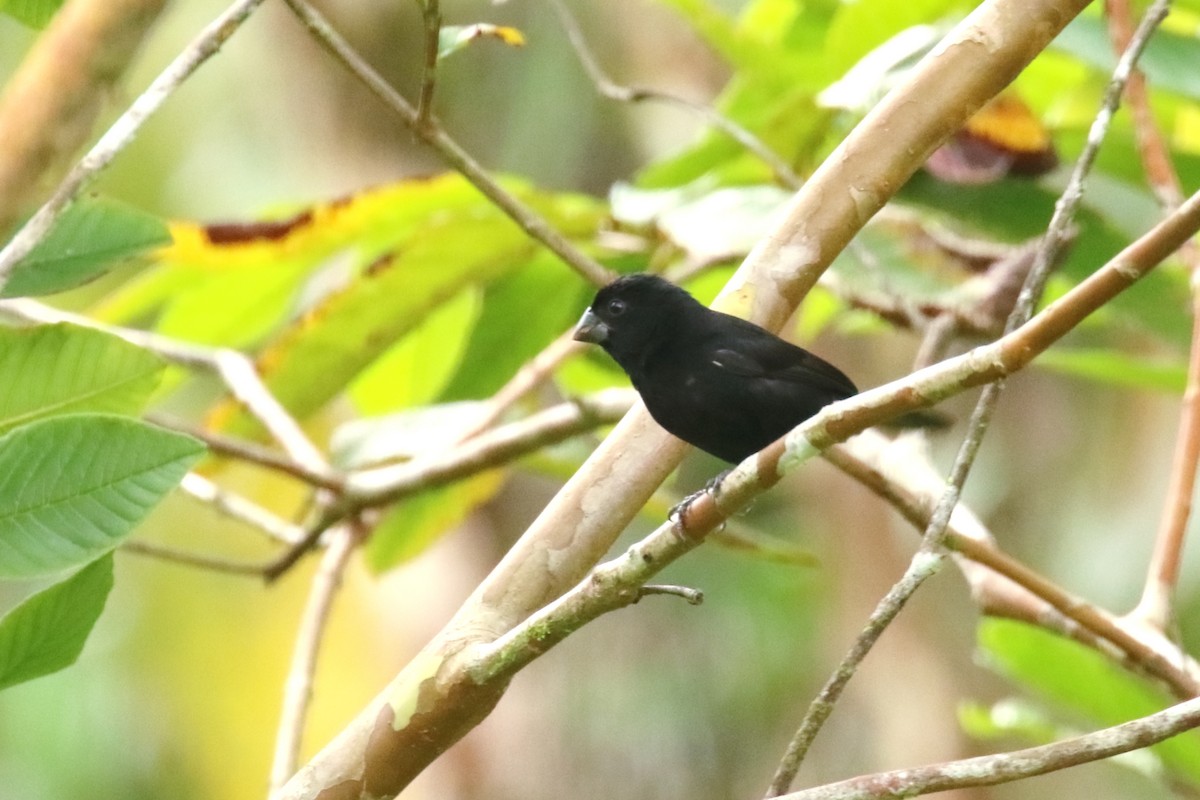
(716, 381)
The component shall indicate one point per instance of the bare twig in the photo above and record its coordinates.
(1155, 606)
(432, 16)
(498, 446)
(913, 491)
(1152, 146)
(628, 94)
(925, 563)
(206, 43)
(299, 683)
(237, 507)
(199, 560)
(693, 596)
(1005, 767)
(533, 374)
(253, 453)
(436, 137)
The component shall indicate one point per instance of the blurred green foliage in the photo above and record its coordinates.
(374, 299)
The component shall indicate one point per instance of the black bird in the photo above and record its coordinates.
(716, 381)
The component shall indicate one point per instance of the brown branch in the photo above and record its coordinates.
(1006, 767)
(52, 100)
(436, 137)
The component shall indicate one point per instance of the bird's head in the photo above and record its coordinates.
(628, 314)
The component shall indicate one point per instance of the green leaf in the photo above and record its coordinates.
(416, 368)
(72, 487)
(315, 359)
(59, 369)
(46, 633)
(541, 295)
(34, 13)
(1081, 680)
(86, 240)
(420, 520)
(1169, 60)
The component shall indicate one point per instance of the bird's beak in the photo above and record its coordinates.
(591, 329)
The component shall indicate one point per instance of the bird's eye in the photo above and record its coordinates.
(616, 307)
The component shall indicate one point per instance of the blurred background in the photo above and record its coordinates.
(179, 689)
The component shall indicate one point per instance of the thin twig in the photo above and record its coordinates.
(253, 453)
(925, 563)
(999, 768)
(495, 447)
(693, 596)
(534, 373)
(1155, 606)
(628, 94)
(912, 490)
(433, 29)
(239, 508)
(299, 683)
(121, 133)
(436, 137)
(929, 556)
(206, 562)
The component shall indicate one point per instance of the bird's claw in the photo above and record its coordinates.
(713, 487)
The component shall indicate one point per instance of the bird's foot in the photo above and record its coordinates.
(713, 487)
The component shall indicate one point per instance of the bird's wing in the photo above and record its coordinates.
(774, 359)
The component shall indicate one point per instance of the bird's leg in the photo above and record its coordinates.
(713, 487)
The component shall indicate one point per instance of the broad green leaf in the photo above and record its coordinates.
(1169, 60)
(416, 368)
(316, 358)
(72, 487)
(58, 369)
(251, 304)
(1107, 366)
(1080, 679)
(34, 13)
(862, 26)
(86, 240)
(522, 313)
(47, 631)
(716, 27)
(419, 521)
